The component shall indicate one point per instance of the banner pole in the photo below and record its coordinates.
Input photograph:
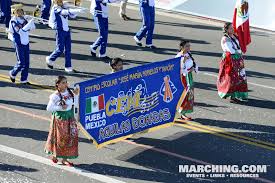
(77, 117)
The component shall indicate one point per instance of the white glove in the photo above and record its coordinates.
(197, 69)
(28, 17)
(184, 71)
(29, 26)
(76, 11)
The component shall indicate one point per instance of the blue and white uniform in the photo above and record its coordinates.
(5, 12)
(45, 9)
(147, 10)
(59, 21)
(99, 10)
(19, 29)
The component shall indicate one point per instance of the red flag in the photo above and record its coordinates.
(241, 23)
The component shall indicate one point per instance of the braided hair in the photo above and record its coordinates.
(226, 26)
(181, 46)
(58, 81)
(225, 31)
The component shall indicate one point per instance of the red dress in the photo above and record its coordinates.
(232, 80)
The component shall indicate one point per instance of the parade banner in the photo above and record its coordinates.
(118, 105)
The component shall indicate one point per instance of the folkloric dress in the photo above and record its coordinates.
(232, 81)
(187, 81)
(62, 140)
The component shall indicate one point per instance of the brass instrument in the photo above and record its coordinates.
(38, 19)
(77, 2)
(35, 13)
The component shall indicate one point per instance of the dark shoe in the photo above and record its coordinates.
(125, 17)
(27, 83)
(12, 79)
(151, 47)
(49, 66)
(93, 54)
(49, 63)
(138, 42)
(105, 58)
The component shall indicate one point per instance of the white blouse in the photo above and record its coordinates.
(229, 46)
(54, 103)
(187, 65)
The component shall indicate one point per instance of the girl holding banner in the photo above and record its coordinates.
(62, 140)
(188, 65)
(232, 80)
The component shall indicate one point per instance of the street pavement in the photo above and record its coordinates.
(221, 133)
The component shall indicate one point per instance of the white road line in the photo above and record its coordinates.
(39, 159)
(256, 84)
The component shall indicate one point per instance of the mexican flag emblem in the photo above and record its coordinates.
(241, 23)
(95, 104)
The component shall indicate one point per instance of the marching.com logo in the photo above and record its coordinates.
(221, 171)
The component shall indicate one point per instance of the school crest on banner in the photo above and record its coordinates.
(116, 106)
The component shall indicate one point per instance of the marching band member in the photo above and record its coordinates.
(62, 140)
(19, 29)
(99, 10)
(147, 10)
(232, 80)
(122, 10)
(46, 7)
(59, 21)
(116, 65)
(5, 12)
(188, 65)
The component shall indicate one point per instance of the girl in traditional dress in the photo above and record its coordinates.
(116, 65)
(62, 140)
(188, 65)
(232, 80)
